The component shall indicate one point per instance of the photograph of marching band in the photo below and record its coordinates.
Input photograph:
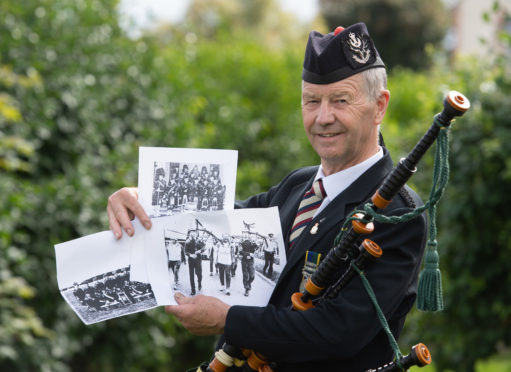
(174, 180)
(180, 187)
(236, 256)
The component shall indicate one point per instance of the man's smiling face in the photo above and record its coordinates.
(341, 121)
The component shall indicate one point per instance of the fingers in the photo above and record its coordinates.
(136, 208)
(114, 224)
(177, 310)
(122, 207)
(118, 212)
(201, 315)
(180, 298)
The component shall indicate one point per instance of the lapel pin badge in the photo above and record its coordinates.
(314, 229)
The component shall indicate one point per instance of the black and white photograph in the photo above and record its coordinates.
(236, 256)
(180, 187)
(109, 295)
(174, 181)
(94, 275)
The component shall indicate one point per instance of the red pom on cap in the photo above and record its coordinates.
(338, 30)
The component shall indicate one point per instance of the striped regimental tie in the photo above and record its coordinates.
(308, 206)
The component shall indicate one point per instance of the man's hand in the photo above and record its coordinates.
(201, 315)
(123, 206)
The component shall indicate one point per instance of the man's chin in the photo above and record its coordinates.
(329, 151)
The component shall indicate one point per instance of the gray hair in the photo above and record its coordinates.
(375, 80)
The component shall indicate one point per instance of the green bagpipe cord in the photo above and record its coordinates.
(429, 291)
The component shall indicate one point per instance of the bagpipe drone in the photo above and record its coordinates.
(326, 282)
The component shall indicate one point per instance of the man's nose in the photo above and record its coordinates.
(325, 114)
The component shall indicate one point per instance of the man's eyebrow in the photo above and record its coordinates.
(339, 94)
(309, 95)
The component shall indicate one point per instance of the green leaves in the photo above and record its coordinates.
(473, 218)
(77, 99)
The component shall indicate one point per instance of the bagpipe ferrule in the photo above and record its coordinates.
(361, 227)
(372, 248)
(379, 201)
(255, 361)
(299, 303)
(312, 288)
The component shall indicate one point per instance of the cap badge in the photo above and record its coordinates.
(359, 47)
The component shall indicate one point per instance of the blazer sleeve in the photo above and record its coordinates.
(341, 327)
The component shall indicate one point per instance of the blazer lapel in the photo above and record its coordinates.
(333, 216)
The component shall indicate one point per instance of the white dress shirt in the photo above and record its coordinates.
(338, 182)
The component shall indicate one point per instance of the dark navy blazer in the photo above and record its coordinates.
(343, 334)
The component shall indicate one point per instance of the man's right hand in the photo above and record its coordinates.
(123, 206)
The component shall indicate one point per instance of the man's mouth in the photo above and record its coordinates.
(328, 134)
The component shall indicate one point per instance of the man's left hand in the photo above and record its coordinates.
(201, 315)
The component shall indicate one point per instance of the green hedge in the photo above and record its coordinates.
(77, 99)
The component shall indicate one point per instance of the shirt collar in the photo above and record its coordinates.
(336, 183)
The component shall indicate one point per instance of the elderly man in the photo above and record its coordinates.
(344, 100)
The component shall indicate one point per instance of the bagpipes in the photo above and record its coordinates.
(326, 283)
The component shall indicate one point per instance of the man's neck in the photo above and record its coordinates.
(332, 168)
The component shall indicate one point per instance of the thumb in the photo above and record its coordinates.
(174, 309)
(180, 298)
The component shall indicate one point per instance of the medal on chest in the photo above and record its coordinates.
(310, 265)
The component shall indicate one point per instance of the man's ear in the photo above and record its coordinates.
(381, 105)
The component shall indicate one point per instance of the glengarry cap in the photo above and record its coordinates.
(339, 54)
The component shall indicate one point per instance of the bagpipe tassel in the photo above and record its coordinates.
(429, 297)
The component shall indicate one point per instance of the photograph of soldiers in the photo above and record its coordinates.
(270, 249)
(109, 295)
(225, 259)
(176, 188)
(176, 256)
(194, 247)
